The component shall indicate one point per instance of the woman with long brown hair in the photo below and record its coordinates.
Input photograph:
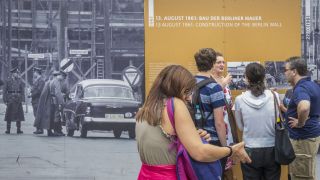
(154, 132)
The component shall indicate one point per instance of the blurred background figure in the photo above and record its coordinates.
(65, 90)
(36, 89)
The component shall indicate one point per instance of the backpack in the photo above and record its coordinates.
(186, 167)
(196, 106)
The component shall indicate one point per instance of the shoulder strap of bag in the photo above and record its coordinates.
(196, 98)
(232, 122)
(202, 83)
(199, 85)
(184, 165)
(170, 111)
(276, 107)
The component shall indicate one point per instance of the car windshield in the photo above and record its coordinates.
(108, 91)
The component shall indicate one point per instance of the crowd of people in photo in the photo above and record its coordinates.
(165, 126)
(238, 85)
(48, 96)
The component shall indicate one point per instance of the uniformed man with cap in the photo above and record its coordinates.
(36, 89)
(13, 96)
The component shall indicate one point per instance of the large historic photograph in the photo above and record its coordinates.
(79, 40)
(310, 36)
(70, 70)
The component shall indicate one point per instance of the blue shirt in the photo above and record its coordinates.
(286, 100)
(305, 89)
(212, 97)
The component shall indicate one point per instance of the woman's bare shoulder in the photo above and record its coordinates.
(178, 102)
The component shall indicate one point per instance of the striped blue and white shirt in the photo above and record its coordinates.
(212, 97)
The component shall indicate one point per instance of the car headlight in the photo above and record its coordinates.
(128, 115)
(88, 110)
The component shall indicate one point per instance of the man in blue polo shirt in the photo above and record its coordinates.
(302, 119)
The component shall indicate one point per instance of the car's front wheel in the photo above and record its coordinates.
(117, 133)
(69, 129)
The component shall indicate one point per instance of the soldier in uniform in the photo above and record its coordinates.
(13, 96)
(36, 89)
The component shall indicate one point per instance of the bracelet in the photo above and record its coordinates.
(230, 154)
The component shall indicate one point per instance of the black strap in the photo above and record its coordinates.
(202, 83)
(197, 100)
(276, 108)
(232, 122)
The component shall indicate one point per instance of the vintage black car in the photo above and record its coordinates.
(101, 104)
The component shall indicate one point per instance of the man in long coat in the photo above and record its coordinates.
(58, 102)
(13, 96)
(36, 89)
(51, 99)
(42, 119)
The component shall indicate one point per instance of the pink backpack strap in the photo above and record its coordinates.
(184, 166)
(170, 111)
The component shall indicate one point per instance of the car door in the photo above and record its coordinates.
(78, 100)
(71, 106)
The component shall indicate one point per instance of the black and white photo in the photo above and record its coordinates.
(237, 70)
